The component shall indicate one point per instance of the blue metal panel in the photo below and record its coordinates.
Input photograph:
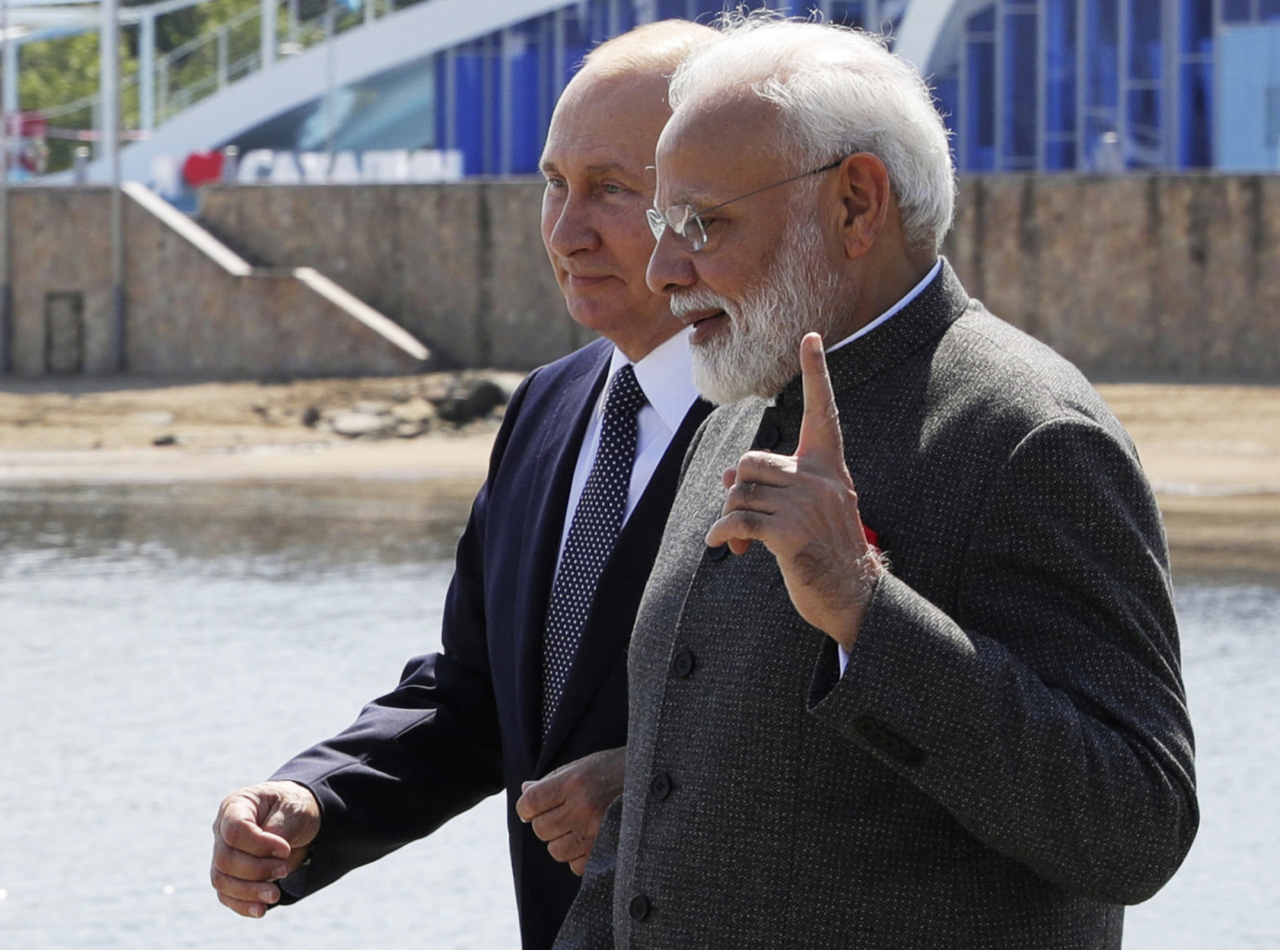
(1249, 93)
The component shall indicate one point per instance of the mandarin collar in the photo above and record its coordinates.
(934, 309)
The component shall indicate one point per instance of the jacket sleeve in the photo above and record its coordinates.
(426, 751)
(1047, 712)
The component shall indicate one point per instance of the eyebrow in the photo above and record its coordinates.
(601, 168)
(694, 199)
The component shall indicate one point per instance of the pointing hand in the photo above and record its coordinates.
(804, 509)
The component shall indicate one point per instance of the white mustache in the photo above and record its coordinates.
(686, 302)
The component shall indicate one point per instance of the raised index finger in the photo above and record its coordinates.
(820, 425)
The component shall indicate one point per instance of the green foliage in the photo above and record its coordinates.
(62, 71)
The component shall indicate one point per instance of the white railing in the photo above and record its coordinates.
(166, 84)
(205, 64)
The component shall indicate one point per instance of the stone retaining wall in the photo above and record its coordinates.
(460, 266)
(1160, 277)
(187, 316)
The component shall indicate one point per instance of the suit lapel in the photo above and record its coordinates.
(565, 427)
(607, 632)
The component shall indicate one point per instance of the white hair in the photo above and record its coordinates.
(840, 91)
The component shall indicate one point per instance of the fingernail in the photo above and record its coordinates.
(279, 871)
(267, 896)
(257, 910)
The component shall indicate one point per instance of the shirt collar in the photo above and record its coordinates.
(666, 376)
(912, 294)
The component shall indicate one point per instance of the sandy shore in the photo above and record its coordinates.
(1212, 452)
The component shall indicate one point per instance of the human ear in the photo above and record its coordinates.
(865, 197)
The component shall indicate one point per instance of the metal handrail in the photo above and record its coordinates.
(203, 39)
(225, 67)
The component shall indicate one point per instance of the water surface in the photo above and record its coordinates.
(162, 645)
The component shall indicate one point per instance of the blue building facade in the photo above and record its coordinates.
(1084, 86)
(1087, 85)
(495, 94)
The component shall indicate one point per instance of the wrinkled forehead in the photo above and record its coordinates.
(716, 142)
(607, 117)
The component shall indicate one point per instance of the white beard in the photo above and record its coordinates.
(759, 352)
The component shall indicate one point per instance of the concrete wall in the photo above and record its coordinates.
(187, 315)
(1162, 277)
(460, 266)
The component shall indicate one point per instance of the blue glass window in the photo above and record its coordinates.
(1144, 41)
(470, 103)
(576, 42)
(1020, 87)
(439, 61)
(1060, 85)
(1196, 92)
(1269, 10)
(1236, 11)
(1101, 47)
(1059, 156)
(849, 13)
(980, 118)
(1144, 128)
(1197, 26)
(946, 95)
(525, 126)
(984, 21)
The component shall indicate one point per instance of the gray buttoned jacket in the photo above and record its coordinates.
(1007, 759)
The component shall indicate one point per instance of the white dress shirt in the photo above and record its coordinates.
(666, 376)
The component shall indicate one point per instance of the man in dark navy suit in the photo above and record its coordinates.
(471, 720)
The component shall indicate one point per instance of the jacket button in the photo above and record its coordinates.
(682, 664)
(660, 787)
(639, 908)
(718, 553)
(768, 437)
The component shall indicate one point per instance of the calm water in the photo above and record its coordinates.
(160, 646)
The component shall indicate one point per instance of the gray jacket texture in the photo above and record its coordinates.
(1007, 759)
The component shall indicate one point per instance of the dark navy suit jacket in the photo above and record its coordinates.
(464, 723)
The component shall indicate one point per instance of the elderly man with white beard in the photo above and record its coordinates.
(906, 672)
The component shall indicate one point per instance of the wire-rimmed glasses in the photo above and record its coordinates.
(679, 218)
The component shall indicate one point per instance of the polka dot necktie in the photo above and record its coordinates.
(592, 534)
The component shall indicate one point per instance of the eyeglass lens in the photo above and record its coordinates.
(678, 218)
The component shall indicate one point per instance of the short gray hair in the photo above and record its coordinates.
(840, 91)
(651, 47)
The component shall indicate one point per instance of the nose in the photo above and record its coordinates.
(568, 226)
(669, 266)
